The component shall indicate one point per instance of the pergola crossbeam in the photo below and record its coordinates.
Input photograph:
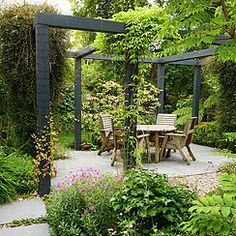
(79, 23)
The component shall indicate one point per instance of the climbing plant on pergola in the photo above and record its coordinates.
(43, 22)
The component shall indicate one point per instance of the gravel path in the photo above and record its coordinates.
(202, 184)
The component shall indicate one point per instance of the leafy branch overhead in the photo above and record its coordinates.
(156, 31)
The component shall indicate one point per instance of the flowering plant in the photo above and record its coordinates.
(80, 203)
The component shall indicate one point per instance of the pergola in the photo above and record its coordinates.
(43, 21)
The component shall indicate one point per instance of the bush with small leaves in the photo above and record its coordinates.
(147, 202)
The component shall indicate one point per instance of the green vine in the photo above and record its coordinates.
(45, 145)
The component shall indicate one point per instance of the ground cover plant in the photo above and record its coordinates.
(17, 176)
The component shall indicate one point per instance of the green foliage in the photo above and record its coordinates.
(142, 25)
(100, 9)
(17, 68)
(146, 202)
(215, 214)
(178, 85)
(204, 19)
(229, 141)
(228, 168)
(107, 97)
(207, 134)
(80, 205)
(227, 104)
(16, 176)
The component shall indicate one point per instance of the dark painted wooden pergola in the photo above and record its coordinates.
(43, 21)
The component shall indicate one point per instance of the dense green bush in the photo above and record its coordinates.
(147, 202)
(227, 105)
(207, 134)
(17, 176)
(17, 68)
(214, 215)
(80, 204)
(229, 141)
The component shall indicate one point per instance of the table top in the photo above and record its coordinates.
(156, 128)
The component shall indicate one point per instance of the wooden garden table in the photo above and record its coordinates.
(156, 130)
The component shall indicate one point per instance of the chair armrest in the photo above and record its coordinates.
(142, 136)
(175, 134)
(179, 132)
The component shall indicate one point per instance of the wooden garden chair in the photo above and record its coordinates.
(171, 142)
(142, 140)
(107, 137)
(164, 119)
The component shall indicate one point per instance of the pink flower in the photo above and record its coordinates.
(104, 186)
(58, 184)
(91, 208)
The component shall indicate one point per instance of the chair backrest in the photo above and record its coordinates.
(166, 119)
(188, 131)
(106, 123)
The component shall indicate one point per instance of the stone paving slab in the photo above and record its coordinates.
(208, 161)
(22, 209)
(31, 230)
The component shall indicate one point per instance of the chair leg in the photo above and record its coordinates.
(101, 149)
(181, 152)
(113, 159)
(163, 147)
(168, 153)
(148, 149)
(191, 153)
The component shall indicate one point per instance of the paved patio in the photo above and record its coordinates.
(208, 161)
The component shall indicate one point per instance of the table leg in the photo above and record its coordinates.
(157, 157)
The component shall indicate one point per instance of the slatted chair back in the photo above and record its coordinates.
(166, 119)
(188, 131)
(106, 123)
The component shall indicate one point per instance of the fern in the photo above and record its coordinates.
(216, 214)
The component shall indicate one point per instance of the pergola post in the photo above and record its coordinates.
(130, 121)
(43, 109)
(161, 86)
(196, 90)
(78, 103)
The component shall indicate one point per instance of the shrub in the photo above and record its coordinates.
(215, 214)
(207, 134)
(229, 141)
(17, 67)
(227, 104)
(16, 176)
(229, 168)
(147, 202)
(80, 204)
